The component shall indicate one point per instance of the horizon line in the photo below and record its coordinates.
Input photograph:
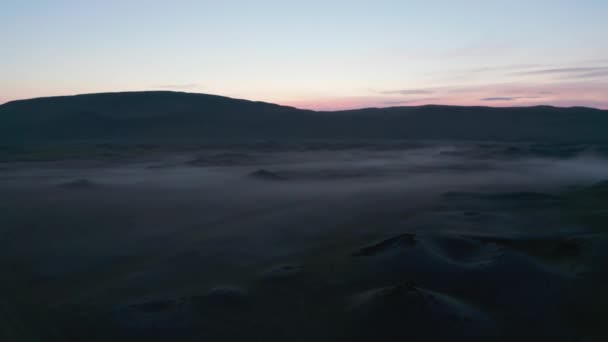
(294, 107)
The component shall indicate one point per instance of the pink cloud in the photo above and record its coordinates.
(496, 95)
(355, 102)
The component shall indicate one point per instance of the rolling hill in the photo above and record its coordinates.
(162, 116)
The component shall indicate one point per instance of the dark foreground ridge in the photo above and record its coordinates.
(162, 116)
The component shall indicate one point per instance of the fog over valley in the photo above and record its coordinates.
(170, 241)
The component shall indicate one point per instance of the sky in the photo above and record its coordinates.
(312, 54)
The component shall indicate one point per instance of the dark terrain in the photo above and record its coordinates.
(242, 221)
(140, 117)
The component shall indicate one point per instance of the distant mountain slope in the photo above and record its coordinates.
(171, 116)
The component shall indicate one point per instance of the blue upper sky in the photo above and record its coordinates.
(314, 54)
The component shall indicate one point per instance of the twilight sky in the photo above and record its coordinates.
(312, 54)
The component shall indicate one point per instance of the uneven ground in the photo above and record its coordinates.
(360, 242)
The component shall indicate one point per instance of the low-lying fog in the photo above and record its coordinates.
(110, 232)
(276, 192)
(320, 171)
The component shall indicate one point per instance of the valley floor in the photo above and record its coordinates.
(422, 242)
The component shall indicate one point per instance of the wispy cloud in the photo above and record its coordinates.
(575, 72)
(177, 86)
(498, 99)
(356, 102)
(407, 92)
(510, 67)
(410, 101)
(509, 98)
(575, 92)
(564, 70)
(593, 74)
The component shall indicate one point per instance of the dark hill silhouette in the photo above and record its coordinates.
(161, 116)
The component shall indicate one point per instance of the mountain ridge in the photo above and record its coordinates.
(41, 98)
(171, 116)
